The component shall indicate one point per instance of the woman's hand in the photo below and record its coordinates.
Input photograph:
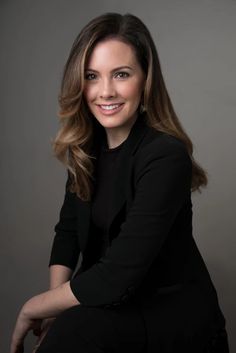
(23, 325)
(42, 306)
(46, 324)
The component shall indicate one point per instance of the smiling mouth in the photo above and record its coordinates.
(110, 109)
(110, 106)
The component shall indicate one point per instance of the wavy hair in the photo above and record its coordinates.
(74, 141)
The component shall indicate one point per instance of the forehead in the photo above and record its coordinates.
(111, 53)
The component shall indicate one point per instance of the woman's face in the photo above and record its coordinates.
(114, 82)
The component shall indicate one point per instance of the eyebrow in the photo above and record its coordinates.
(116, 69)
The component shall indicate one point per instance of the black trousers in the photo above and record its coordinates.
(83, 329)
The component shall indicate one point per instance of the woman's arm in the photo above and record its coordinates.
(65, 248)
(59, 297)
(50, 303)
(59, 274)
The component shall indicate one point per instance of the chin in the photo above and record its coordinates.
(111, 122)
(115, 121)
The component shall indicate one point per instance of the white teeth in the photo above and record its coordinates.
(110, 107)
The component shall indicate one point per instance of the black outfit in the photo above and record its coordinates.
(143, 285)
(102, 200)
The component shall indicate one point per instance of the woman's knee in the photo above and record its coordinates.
(76, 329)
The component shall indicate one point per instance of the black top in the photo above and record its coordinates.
(102, 198)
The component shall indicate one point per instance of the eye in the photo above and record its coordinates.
(122, 74)
(90, 76)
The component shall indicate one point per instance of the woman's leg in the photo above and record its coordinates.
(96, 330)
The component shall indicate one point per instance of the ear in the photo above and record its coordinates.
(142, 107)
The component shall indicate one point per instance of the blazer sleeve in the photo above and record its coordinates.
(65, 249)
(162, 183)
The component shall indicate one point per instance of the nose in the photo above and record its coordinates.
(107, 89)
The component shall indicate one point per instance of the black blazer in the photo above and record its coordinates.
(153, 260)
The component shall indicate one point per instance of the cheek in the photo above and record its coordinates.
(89, 93)
(133, 91)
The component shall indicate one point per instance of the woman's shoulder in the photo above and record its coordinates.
(163, 156)
(160, 143)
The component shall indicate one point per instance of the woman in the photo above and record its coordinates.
(142, 285)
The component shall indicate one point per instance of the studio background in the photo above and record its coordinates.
(196, 45)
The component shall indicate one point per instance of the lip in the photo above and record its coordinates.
(111, 111)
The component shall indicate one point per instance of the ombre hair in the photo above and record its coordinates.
(74, 141)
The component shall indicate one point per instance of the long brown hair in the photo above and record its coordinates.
(73, 143)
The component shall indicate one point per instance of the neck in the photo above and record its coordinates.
(115, 136)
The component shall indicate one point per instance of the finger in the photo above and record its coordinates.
(41, 337)
(44, 331)
(35, 348)
(39, 341)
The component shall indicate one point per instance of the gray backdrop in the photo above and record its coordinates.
(196, 44)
